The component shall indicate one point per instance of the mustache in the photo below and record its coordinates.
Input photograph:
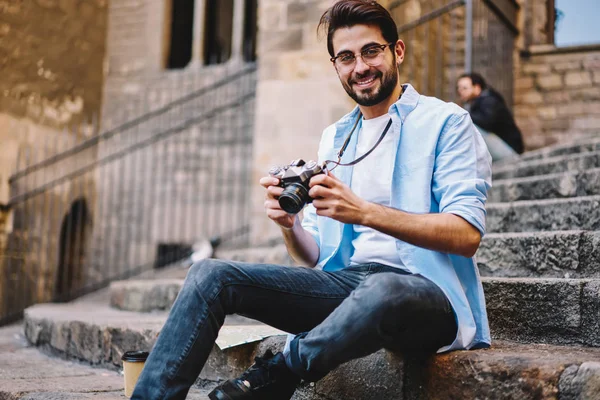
(357, 77)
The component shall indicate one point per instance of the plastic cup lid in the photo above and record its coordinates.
(135, 356)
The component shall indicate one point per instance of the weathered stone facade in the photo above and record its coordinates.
(557, 94)
(52, 60)
(51, 55)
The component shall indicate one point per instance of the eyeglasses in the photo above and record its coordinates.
(372, 56)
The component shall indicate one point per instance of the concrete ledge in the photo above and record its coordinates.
(144, 295)
(564, 184)
(276, 254)
(100, 336)
(557, 254)
(507, 371)
(581, 213)
(545, 166)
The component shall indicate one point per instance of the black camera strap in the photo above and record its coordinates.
(347, 141)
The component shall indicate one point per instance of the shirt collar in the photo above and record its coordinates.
(407, 102)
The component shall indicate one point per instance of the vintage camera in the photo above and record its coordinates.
(294, 179)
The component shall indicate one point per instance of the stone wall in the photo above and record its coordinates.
(51, 56)
(557, 94)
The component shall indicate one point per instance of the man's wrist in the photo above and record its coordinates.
(296, 223)
(367, 213)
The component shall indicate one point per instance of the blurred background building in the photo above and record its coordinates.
(132, 129)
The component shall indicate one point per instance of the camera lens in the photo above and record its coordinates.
(293, 198)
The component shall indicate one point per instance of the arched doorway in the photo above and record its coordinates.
(74, 234)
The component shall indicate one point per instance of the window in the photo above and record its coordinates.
(249, 42)
(576, 22)
(218, 26)
(181, 29)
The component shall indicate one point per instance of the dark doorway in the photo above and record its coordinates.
(74, 233)
(182, 31)
(218, 31)
(250, 18)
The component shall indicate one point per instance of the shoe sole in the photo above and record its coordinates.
(218, 395)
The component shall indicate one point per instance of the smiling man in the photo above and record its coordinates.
(386, 245)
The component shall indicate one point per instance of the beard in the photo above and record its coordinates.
(372, 96)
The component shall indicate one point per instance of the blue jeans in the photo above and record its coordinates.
(497, 147)
(338, 316)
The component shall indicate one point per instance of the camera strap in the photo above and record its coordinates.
(345, 145)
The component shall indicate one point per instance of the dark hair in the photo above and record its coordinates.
(476, 79)
(347, 13)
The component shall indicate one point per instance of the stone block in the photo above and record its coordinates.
(585, 94)
(596, 76)
(535, 310)
(535, 69)
(590, 311)
(271, 16)
(592, 63)
(281, 41)
(507, 371)
(560, 96)
(377, 376)
(532, 98)
(144, 295)
(578, 79)
(567, 66)
(549, 82)
(572, 109)
(580, 381)
(582, 213)
(547, 112)
(587, 123)
(524, 83)
(568, 254)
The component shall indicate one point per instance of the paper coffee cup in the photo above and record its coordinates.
(133, 363)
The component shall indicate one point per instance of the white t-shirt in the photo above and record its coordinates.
(372, 181)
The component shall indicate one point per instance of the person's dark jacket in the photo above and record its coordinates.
(489, 112)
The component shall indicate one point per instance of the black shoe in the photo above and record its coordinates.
(268, 379)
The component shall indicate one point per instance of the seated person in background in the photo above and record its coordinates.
(491, 115)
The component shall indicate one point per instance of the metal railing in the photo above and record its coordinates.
(132, 198)
(447, 38)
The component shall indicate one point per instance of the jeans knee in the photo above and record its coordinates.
(209, 270)
(395, 292)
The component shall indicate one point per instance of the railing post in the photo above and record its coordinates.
(468, 35)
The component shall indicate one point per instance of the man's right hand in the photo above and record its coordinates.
(272, 207)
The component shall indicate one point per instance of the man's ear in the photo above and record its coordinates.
(399, 49)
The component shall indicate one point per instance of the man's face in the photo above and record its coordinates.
(365, 84)
(466, 90)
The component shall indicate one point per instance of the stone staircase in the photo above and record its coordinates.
(541, 273)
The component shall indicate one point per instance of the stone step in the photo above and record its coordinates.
(100, 335)
(581, 213)
(274, 253)
(506, 371)
(545, 166)
(589, 144)
(557, 254)
(26, 373)
(563, 184)
(546, 310)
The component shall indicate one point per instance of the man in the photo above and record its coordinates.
(387, 245)
(491, 115)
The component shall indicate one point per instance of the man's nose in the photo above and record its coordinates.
(360, 66)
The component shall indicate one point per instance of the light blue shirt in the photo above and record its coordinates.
(441, 165)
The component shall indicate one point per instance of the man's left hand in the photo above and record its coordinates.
(334, 199)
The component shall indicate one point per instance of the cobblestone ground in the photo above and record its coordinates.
(27, 373)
